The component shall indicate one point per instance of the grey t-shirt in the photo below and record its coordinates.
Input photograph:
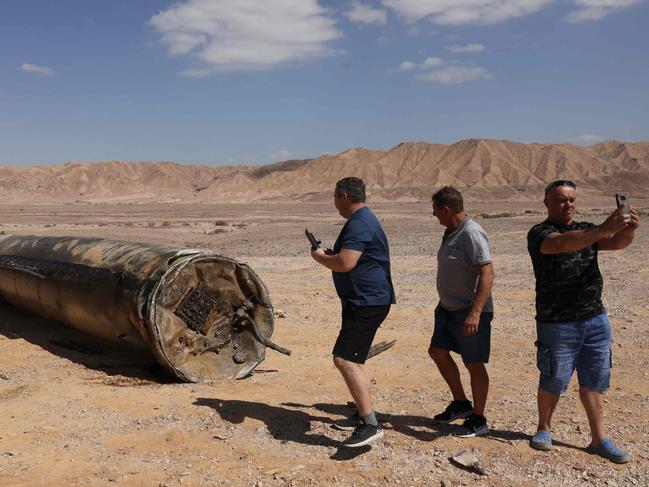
(461, 251)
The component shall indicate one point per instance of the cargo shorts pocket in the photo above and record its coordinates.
(543, 362)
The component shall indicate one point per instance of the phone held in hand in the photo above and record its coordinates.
(315, 243)
(622, 200)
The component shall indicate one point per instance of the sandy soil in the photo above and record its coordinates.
(77, 411)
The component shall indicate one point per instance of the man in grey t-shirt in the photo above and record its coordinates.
(463, 316)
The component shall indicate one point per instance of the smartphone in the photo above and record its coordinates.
(315, 243)
(622, 200)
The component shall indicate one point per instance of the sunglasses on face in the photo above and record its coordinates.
(558, 183)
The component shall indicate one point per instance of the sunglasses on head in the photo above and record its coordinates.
(557, 183)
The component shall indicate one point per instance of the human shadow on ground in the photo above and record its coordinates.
(421, 427)
(83, 349)
(405, 424)
(506, 436)
(283, 423)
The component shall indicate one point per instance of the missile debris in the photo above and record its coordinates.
(467, 459)
(380, 347)
(204, 316)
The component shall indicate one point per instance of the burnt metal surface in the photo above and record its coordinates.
(205, 316)
(197, 310)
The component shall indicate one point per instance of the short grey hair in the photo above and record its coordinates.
(353, 187)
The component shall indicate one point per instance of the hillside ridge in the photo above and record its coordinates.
(488, 169)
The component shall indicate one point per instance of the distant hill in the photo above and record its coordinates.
(485, 169)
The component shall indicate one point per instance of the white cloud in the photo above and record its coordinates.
(35, 68)
(197, 72)
(457, 12)
(407, 66)
(365, 14)
(466, 48)
(429, 62)
(451, 75)
(281, 155)
(590, 10)
(246, 34)
(586, 139)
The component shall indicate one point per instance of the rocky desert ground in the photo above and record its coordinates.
(79, 412)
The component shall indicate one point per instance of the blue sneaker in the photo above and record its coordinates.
(542, 440)
(610, 451)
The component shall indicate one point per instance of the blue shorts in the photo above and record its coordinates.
(449, 335)
(583, 345)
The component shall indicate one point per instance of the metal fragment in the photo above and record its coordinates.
(204, 316)
(468, 460)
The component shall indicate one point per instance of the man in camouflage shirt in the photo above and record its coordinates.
(573, 331)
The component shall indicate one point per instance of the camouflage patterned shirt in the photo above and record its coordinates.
(568, 285)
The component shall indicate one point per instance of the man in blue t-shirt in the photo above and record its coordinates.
(360, 265)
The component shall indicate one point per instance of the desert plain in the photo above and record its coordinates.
(80, 412)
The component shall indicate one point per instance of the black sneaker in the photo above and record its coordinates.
(364, 434)
(348, 424)
(455, 410)
(474, 426)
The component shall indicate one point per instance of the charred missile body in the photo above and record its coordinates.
(204, 316)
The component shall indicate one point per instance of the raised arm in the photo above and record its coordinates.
(624, 237)
(559, 243)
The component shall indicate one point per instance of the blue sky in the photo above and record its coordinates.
(249, 81)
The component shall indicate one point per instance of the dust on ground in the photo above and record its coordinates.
(80, 412)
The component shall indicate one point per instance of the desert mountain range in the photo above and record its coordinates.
(483, 168)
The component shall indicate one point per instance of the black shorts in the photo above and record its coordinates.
(359, 325)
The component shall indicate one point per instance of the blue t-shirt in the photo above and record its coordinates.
(370, 282)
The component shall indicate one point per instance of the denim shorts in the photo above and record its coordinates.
(449, 335)
(583, 345)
